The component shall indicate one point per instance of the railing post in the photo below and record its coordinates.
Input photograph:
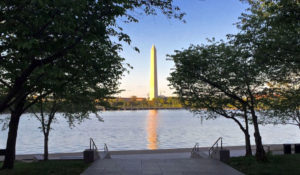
(216, 145)
(91, 154)
(221, 143)
(90, 143)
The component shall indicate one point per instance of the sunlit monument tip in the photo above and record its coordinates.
(153, 74)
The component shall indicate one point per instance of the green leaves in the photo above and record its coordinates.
(273, 29)
(47, 45)
(237, 74)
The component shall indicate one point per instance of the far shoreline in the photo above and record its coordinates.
(138, 108)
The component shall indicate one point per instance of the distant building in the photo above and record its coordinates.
(130, 99)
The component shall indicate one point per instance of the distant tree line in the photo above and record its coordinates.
(140, 103)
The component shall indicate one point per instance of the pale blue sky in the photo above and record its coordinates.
(205, 19)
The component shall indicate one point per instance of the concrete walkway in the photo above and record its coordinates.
(159, 164)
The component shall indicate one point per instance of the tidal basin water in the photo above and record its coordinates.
(145, 129)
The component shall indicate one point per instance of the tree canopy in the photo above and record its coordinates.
(53, 46)
(239, 73)
(223, 81)
(40, 35)
(271, 31)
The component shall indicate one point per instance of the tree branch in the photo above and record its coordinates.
(36, 99)
(4, 83)
(231, 95)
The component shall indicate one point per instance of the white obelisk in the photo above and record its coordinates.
(153, 74)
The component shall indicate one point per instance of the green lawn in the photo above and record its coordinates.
(276, 165)
(51, 167)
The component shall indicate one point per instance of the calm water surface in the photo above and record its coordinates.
(128, 130)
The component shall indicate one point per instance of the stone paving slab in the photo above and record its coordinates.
(151, 156)
(179, 166)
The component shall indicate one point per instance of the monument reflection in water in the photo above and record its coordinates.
(152, 122)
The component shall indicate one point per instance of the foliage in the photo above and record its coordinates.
(52, 167)
(59, 46)
(283, 107)
(237, 73)
(264, 52)
(40, 38)
(76, 109)
(276, 165)
(221, 76)
(271, 33)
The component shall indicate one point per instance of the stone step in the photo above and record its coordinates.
(71, 157)
(104, 155)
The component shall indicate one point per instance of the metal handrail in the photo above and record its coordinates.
(93, 145)
(216, 144)
(105, 148)
(196, 148)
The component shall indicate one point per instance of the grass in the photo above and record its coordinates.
(51, 167)
(276, 165)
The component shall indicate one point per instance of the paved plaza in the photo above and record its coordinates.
(159, 164)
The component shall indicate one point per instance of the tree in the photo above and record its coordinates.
(46, 118)
(43, 43)
(133, 101)
(73, 108)
(53, 32)
(217, 77)
(271, 34)
(95, 82)
(271, 31)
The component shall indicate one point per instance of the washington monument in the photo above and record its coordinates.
(153, 74)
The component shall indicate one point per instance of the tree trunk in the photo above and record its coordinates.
(247, 141)
(246, 133)
(46, 146)
(247, 136)
(248, 145)
(260, 152)
(12, 136)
